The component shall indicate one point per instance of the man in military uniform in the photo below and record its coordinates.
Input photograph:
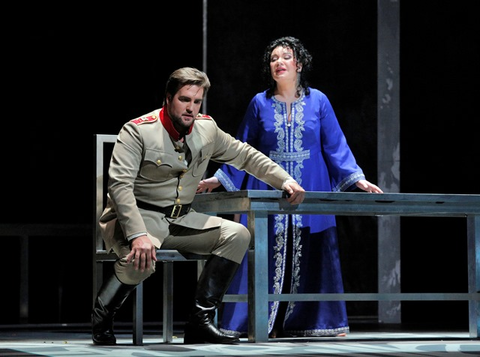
(156, 165)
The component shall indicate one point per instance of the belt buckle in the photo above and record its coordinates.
(177, 209)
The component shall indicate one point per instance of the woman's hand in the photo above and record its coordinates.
(208, 184)
(368, 186)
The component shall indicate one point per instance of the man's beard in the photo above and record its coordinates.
(179, 124)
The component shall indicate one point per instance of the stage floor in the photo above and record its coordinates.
(77, 342)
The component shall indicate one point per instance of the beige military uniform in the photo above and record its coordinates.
(149, 166)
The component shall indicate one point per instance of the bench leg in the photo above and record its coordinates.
(473, 252)
(167, 302)
(138, 315)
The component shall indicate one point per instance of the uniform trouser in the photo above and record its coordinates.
(229, 241)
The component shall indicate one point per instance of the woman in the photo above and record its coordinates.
(296, 126)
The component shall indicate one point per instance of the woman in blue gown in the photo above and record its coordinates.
(296, 126)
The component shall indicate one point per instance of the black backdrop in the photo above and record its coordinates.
(73, 72)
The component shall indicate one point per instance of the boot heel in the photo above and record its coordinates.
(191, 336)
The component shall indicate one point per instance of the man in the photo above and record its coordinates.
(156, 165)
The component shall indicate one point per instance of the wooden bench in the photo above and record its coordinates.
(100, 255)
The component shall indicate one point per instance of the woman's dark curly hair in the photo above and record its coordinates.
(303, 57)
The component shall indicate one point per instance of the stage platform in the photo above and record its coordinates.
(393, 342)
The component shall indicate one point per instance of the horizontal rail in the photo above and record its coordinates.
(340, 203)
(361, 297)
(42, 230)
(162, 255)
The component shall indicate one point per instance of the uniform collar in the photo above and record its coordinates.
(168, 125)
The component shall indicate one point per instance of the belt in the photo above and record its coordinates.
(174, 211)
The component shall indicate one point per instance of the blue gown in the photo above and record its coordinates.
(313, 150)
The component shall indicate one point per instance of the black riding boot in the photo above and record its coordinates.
(211, 287)
(110, 298)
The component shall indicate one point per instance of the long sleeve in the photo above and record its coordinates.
(231, 178)
(342, 166)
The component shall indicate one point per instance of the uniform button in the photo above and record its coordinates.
(180, 157)
(185, 170)
(180, 188)
(177, 201)
(181, 176)
(177, 148)
(159, 162)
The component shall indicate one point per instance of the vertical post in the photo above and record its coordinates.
(167, 302)
(24, 278)
(258, 277)
(204, 52)
(98, 205)
(388, 152)
(138, 315)
(473, 252)
(97, 241)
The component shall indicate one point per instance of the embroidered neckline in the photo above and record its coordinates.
(294, 102)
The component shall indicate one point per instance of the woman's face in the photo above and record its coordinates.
(283, 65)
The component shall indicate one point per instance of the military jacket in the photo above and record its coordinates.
(148, 165)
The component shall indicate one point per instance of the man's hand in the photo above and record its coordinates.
(142, 253)
(208, 184)
(296, 193)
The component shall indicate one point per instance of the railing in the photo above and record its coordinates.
(25, 232)
(258, 204)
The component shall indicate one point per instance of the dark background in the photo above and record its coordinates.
(71, 72)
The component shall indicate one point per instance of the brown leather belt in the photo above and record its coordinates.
(174, 211)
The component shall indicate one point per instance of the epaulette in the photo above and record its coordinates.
(143, 120)
(203, 116)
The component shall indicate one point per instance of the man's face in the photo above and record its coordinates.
(184, 106)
